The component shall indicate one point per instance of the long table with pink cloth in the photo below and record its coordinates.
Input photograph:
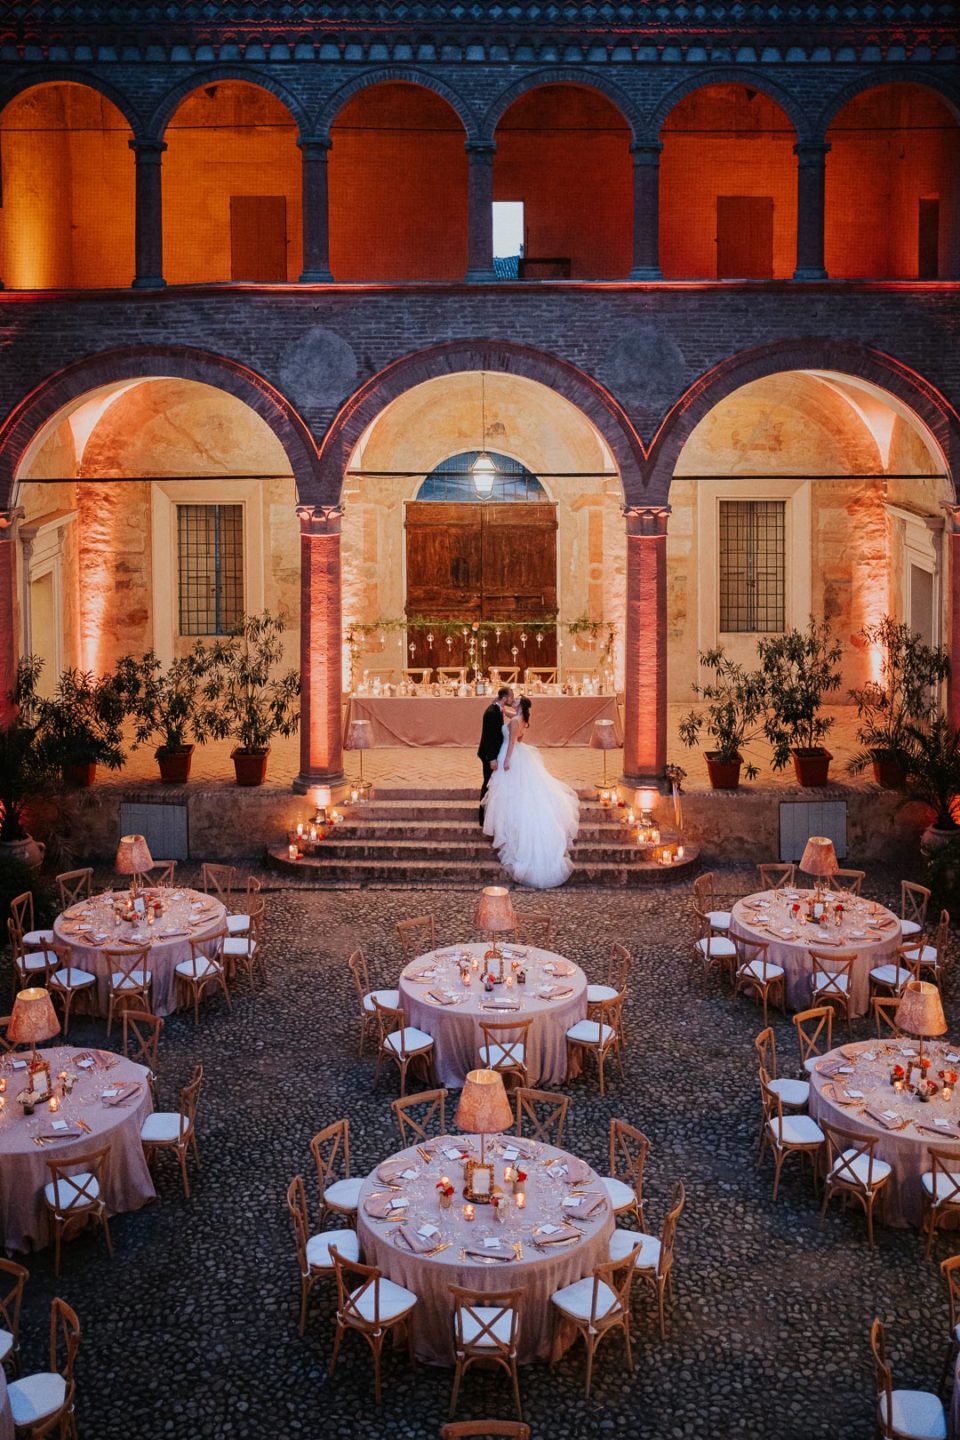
(560, 1235)
(106, 1108)
(452, 720)
(435, 999)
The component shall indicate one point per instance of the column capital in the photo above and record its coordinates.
(646, 520)
(148, 152)
(320, 519)
(811, 152)
(481, 150)
(314, 146)
(646, 152)
(952, 513)
(8, 522)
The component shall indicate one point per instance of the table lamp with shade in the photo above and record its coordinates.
(34, 1019)
(604, 737)
(819, 859)
(920, 1011)
(360, 737)
(484, 1109)
(133, 859)
(494, 913)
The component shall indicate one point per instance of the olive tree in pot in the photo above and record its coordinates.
(164, 703)
(26, 770)
(911, 674)
(78, 727)
(734, 704)
(933, 776)
(243, 698)
(800, 667)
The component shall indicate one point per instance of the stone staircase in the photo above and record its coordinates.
(421, 837)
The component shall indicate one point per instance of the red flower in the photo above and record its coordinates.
(925, 1063)
(898, 1072)
(521, 1176)
(796, 907)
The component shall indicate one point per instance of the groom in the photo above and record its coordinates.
(491, 737)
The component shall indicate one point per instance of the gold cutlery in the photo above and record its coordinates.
(424, 1154)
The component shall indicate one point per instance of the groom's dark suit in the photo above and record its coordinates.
(491, 737)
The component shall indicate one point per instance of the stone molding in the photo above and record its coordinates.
(647, 521)
(320, 519)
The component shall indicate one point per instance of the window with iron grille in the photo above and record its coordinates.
(210, 568)
(752, 565)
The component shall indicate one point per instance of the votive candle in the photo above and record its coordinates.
(292, 852)
(53, 1103)
(521, 1199)
(680, 852)
(469, 1213)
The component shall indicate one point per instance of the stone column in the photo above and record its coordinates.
(811, 182)
(149, 217)
(480, 155)
(8, 610)
(646, 210)
(645, 645)
(316, 213)
(321, 753)
(952, 546)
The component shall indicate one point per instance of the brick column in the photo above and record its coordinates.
(480, 155)
(811, 181)
(321, 754)
(316, 213)
(952, 557)
(645, 645)
(646, 211)
(8, 611)
(149, 217)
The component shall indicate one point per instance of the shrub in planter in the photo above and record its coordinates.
(26, 770)
(242, 697)
(800, 667)
(933, 776)
(911, 674)
(164, 703)
(78, 727)
(732, 714)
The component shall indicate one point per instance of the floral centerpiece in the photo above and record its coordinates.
(444, 1192)
(948, 1080)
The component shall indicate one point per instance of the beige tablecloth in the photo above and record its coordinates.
(23, 1163)
(6, 1415)
(428, 720)
(953, 1417)
(538, 1272)
(456, 1027)
(87, 927)
(868, 931)
(907, 1150)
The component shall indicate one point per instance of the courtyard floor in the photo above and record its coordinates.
(191, 1330)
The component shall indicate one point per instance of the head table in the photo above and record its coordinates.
(85, 929)
(435, 999)
(558, 1237)
(109, 1103)
(868, 931)
(851, 1089)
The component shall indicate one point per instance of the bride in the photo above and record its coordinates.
(532, 817)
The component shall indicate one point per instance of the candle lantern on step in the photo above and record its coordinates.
(648, 832)
(360, 737)
(604, 737)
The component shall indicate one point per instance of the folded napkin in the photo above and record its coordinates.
(555, 1234)
(829, 1067)
(68, 1133)
(429, 973)
(380, 1206)
(169, 934)
(573, 1170)
(837, 1093)
(500, 1251)
(554, 992)
(416, 1243)
(106, 1059)
(458, 1149)
(948, 1132)
(501, 1004)
(124, 1092)
(393, 1170)
(889, 1122)
(850, 1052)
(554, 967)
(442, 998)
(510, 1148)
(881, 924)
(587, 1204)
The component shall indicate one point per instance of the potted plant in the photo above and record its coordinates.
(80, 726)
(799, 668)
(25, 768)
(933, 776)
(734, 706)
(911, 674)
(244, 699)
(164, 704)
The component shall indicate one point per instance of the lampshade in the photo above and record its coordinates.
(920, 1011)
(494, 910)
(645, 799)
(33, 1019)
(484, 1106)
(604, 736)
(819, 857)
(359, 735)
(321, 796)
(133, 855)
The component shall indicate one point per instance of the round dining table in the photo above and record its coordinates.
(851, 1088)
(560, 1235)
(435, 999)
(107, 1106)
(6, 1414)
(869, 932)
(87, 928)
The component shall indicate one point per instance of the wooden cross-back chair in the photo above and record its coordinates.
(814, 1029)
(601, 1036)
(371, 1305)
(940, 1187)
(75, 885)
(314, 1252)
(790, 1135)
(130, 979)
(847, 881)
(545, 1114)
(141, 1042)
(42, 1405)
(504, 1046)
(201, 973)
(416, 1126)
(659, 1273)
(75, 1194)
(774, 875)
(339, 1190)
(177, 1130)
(757, 974)
(629, 1148)
(854, 1171)
(832, 980)
(417, 935)
(486, 1327)
(404, 1045)
(13, 1278)
(219, 880)
(608, 1308)
(533, 928)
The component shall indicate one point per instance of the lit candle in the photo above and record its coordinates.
(508, 982)
(53, 1103)
(300, 828)
(469, 1213)
(521, 1199)
(508, 1175)
(3, 1104)
(630, 817)
(354, 794)
(3, 1084)
(680, 852)
(292, 852)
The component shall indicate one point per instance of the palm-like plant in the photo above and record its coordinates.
(933, 768)
(911, 673)
(242, 696)
(163, 702)
(25, 765)
(800, 667)
(733, 710)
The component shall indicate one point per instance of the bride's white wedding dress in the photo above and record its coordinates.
(532, 817)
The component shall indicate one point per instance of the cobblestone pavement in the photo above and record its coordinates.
(190, 1331)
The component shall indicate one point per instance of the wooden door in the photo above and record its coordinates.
(744, 237)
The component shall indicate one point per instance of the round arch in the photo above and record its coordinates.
(561, 75)
(880, 80)
(728, 75)
(861, 362)
(171, 101)
(503, 357)
(395, 75)
(24, 423)
(60, 74)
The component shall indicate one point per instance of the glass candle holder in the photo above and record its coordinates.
(53, 1103)
(520, 1199)
(469, 1213)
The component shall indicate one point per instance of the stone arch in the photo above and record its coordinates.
(166, 109)
(62, 74)
(505, 357)
(843, 356)
(561, 75)
(879, 80)
(397, 75)
(26, 420)
(728, 75)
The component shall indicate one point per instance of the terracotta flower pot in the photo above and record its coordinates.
(27, 850)
(175, 765)
(812, 766)
(80, 776)
(724, 774)
(889, 774)
(250, 766)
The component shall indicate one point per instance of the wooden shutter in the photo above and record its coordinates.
(519, 561)
(444, 560)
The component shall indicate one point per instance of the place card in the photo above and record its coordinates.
(953, 1058)
(399, 1204)
(548, 1229)
(854, 1094)
(941, 1121)
(59, 1125)
(453, 1152)
(844, 1069)
(109, 1094)
(907, 1050)
(427, 1232)
(889, 1114)
(409, 1174)
(19, 1064)
(511, 1153)
(490, 1242)
(85, 1064)
(869, 1054)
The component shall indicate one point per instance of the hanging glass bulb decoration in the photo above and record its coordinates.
(514, 652)
(523, 638)
(497, 632)
(429, 637)
(539, 638)
(412, 648)
(383, 638)
(449, 642)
